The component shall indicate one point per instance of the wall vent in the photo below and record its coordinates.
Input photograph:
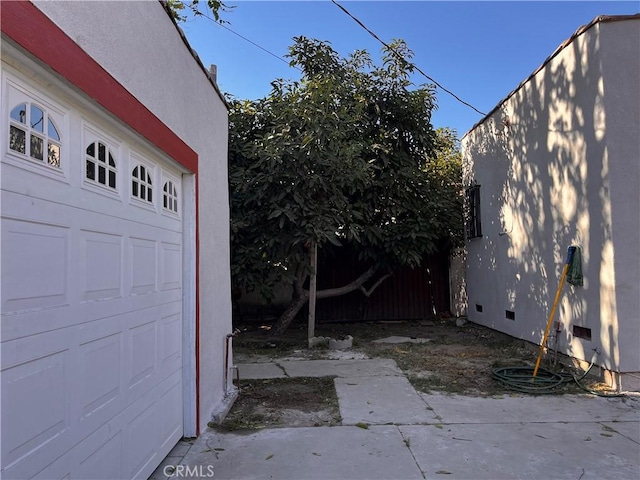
(582, 332)
(510, 315)
(478, 308)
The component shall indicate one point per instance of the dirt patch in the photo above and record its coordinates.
(293, 402)
(453, 359)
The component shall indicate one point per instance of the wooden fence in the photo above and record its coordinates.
(410, 293)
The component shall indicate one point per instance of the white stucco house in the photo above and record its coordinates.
(115, 296)
(557, 163)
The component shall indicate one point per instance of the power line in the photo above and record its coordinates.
(404, 60)
(197, 12)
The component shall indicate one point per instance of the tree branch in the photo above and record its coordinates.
(350, 287)
(367, 293)
(301, 296)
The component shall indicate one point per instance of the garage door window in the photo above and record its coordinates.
(141, 186)
(170, 202)
(34, 134)
(100, 165)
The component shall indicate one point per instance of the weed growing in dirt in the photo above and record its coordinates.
(283, 402)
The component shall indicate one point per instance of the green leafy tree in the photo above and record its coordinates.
(347, 155)
(177, 7)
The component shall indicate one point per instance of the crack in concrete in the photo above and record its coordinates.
(282, 368)
(407, 443)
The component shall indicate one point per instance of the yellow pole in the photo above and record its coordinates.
(553, 311)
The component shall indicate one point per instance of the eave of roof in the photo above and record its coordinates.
(563, 45)
(194, 54)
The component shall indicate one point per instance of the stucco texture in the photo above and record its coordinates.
(558, 165)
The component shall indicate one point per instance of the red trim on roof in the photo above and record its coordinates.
(23, 23)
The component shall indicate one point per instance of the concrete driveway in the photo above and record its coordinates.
(411, 435)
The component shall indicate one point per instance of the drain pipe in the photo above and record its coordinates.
(227, 351)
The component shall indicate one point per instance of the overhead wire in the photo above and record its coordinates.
(198, 13)
(414, 66)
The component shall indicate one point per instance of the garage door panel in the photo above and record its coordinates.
(139, 450)
(170, 342)
(143, 357)
(121, 446)
(171, 266)
(170, 419)
(17, 325)
(137, 303)
(41, 189)
(133, 310)
(150, 427)
(155, 226)
(153, 415)
(34, 265)
(34, 376)
(153, 356)
(142, 433)
(101, 265)
(144, 266)
(37, 404)
(99, 455)
(105, 462)
(101, 378)
(58, 470)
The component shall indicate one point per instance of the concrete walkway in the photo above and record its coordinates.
(416, 436)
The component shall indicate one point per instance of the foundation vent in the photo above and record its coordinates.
(582, 332)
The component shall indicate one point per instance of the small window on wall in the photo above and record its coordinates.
(141, 186)
(474, 225)
(170, 197)
(100, 165)
(34, 134)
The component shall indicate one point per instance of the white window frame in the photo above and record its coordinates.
(91, 134)
(177, 198)
(16, 91)
(136, 161)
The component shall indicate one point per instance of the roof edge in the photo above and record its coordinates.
(582, 29)
(193, 53)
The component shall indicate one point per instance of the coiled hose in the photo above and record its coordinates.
(521, 379)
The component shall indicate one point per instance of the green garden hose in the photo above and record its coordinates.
(521, 379)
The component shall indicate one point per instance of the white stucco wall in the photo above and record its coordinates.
(561, 173)
(620, 57)
(136, 42)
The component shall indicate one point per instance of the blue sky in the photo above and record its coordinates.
(479, 50)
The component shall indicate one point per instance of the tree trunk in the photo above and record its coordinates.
(301, 296)
(298, 299)
(297, 302)
(312, 291)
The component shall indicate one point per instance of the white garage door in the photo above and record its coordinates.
(91, 293)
